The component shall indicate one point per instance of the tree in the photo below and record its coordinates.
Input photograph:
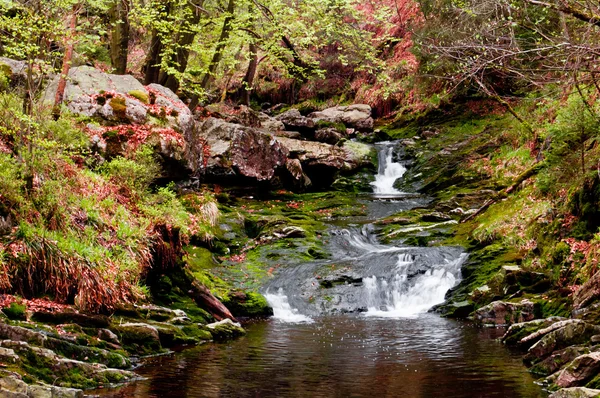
(119, 35)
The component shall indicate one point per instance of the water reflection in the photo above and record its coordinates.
(343, 356)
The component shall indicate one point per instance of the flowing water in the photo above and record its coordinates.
(354, 325)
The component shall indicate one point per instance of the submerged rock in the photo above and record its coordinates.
(248, 304)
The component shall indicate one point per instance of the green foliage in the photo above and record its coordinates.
(137, 173)
(16, 311)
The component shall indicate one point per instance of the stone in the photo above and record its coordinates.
(140, 337)
(559, 336)
(504, 313)
(328, 135)
(528, 333)
(248, 305)
(579, 371)
(357, 116)
(15, 71)
(236, 150)
(71, 316)
(575, 392)
(108, 335)
(435, 217)
(225, 329)
(293, 120)
(270, 123)
(13, 384)
(557, 360)
(588, 293)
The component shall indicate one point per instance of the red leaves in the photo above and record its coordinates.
(138, 134)
(34, 305)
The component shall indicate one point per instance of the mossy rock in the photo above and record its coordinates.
(119, 107)
(140, 95)
(225, 330)
(138, 338)
(248, 304)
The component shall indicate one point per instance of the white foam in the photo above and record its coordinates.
(389, 172)
(282, 311)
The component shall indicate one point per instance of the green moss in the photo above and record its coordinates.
(197, 332)
(119, 107)
(247, 304)
(140, 95)
(16, 311)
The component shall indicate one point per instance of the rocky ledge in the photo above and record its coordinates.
(63, 352)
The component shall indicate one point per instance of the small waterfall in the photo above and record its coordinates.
(282, 311)
(389, 171)
(400, 296)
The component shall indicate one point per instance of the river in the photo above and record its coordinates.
(354, 325)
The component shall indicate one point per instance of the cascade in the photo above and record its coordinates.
(388, 171)
(365, 275)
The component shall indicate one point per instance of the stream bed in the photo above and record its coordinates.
(352, 325)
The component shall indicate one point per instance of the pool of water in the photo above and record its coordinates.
(343, 356)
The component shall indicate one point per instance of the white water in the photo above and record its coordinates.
(388, 172)
(400, 297)
(282, 311)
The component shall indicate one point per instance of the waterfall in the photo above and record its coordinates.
(388, 172)
(282, 310)
(400, 296)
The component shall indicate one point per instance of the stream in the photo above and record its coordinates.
(353, 325)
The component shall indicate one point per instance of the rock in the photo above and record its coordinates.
(518, 279)
(557, 360)
(270, 123)
(357, 116)
(158, 313)
(435, 217)
(560, 335)
(15, 71)
(293, 120)
(8, 355)
(248, 304)
(328, 135)
(289, 134)
(37, 391)
(527, 330)
(236, 150)
(139, 338)
(108, 335)
(59, 369)
(121, 100)
(575, 392)
(71, 316)
(458, 309)
(299, 179)
(588, 293)
(13, 384)
(578, 372)
(225, 329)
(504, 313)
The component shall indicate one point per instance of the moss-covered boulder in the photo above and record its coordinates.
(504, 313)
(225, 330)
(138, 338)
(572, 333)
(575, 392)
(579, 371)
(248, 304)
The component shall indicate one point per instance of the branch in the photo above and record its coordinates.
(570, 10)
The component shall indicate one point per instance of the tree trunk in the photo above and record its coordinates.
(151, 66)
(66, 64)
(183, 42)
(206, 300)
(218, 54)
(248, 80)
(119, 35)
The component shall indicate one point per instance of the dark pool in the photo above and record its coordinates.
(343, 356)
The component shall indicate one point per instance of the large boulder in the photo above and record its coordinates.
(236, 150)
(128, 113)
(357, 116)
